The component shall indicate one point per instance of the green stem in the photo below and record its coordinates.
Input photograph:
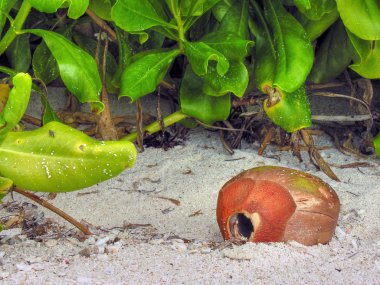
(16, 26)
(155, 127)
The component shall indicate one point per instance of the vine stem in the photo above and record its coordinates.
(16, 26)
(156, 126)
(54, 209)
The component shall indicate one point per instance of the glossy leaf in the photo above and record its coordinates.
(17, 102)
(293, 48)
(333, 55)
(200, 54)
(366, 58)
(290, 111)
(18, 53)
(221, 9)
(5, 8)
(362, 18)
(77, 68)
(76, 7)
(58, 158)
(196, 8)
(45, 66)
(235, 81)
(102, 8)
(376, 143)
(134, 16)
(315, 9)
(195, 103)
(145, 72)
(5, 185)
(236, 19)
(231, 45)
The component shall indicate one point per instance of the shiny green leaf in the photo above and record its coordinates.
(315, 9)
(195, 103)
(333, 55)
(146, 71)
(77, 68)
(134, 16)
(5, 8)
(231, 45)
(102, 8)
(76, 7)
(200, 54)
(45, 66)
(293, 48)
(362, 18)
(221, 9)
(376, 143)
(236, 19)
(366, 58)
(18, 53)
(235, 81)
(5, 185)
(16, 105)
(58, 158)
(196, 8)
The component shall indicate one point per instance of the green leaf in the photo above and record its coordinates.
(5, 8)
(102, 8)
(333, 55)
(58, 158)
(134, 16)
(362, 18)
(17, 102)
(366, 58)
(376, 143)
(76, 7)
(231, 45)
(293, 48)
(221, 9)
(200, 54)
(146, 71)
(45, 66)
(5, 185)
(77, 68)
(315, 9)
(18, 53)
(235, 81)
(236, 19)
(195, 103)
(173, 7)
(191, 8)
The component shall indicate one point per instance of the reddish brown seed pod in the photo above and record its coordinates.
(277, 204)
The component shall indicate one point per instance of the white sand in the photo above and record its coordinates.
(179, 249)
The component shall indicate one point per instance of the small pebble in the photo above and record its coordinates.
(102, 241)
(91, 240)
(206, 250)
(181, 247)
(88, 251)
(2, 254)
(340, 234)
(51, 243)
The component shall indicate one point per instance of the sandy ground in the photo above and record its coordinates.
(142, 238)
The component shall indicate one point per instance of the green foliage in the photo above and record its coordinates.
(376, 142)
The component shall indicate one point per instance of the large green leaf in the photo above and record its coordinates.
(376, 143)
(362, 18)
(236, 19)
(18, 53)
(366, 58)
(195, 103)
(230, 44)
(58, 158)
(293, 48)
(200, 54)
(16, 104)
(235, 81)
(76, 7)
(146, 71)
(196, 8)
(102, 8)
(45, 66)
(77, 68)
(315, 9)
(5, 185)
(333, 55)
(134, 16)
(221, 9)
(5, 8)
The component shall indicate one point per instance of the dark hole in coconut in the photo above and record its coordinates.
(241, 226)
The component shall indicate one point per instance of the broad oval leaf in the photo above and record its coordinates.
(45, 66)
(196, 104)
(362, 18)
(200, 54)
(76, 7)
(58, 158)
(102, 8)
(5, 185)
(367, 57)
(17, 102)
(315, 9)
(236, 19)
(191, 8)
(333, 55)
(293, 48)
(135, 16)
(230, 44)
(146, 71)
(235, 81)
(77, 68)
(18, 53)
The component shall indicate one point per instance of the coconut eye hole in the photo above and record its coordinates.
(241, 227)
